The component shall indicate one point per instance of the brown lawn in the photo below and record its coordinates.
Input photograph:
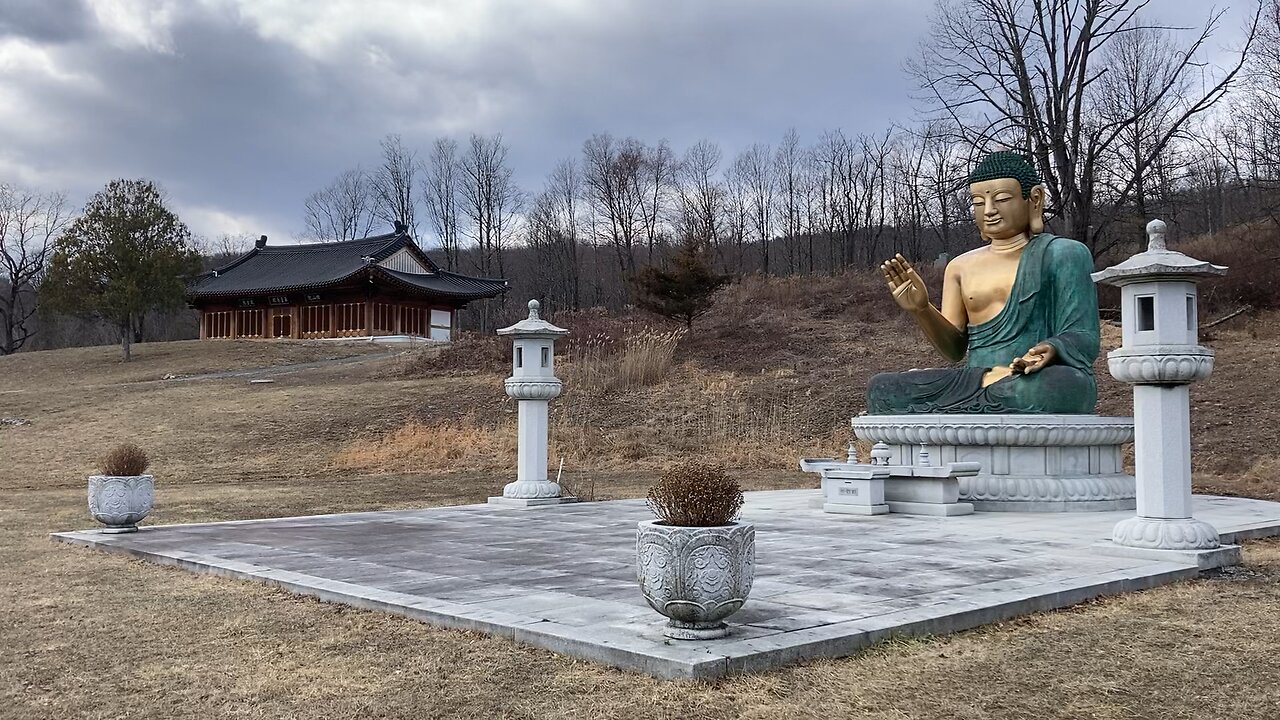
(87, 635)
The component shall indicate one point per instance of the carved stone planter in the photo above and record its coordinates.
(120, 501)
(695, 576)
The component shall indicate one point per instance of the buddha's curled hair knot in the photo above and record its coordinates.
(1007, 164)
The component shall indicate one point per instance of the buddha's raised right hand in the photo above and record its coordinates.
(905, 283)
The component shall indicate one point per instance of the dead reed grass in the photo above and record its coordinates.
(760, 422)
(647, 355)
(421, 447)
(587, 366)
(639, 356)
(202, 646)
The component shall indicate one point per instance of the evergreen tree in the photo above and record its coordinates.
(684, 292)
(126, 256)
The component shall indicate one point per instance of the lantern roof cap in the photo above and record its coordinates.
(1158, 262)
(533, 326)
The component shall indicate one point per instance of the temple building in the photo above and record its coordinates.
(379, 285)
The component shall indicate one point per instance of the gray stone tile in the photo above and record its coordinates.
(563, 577)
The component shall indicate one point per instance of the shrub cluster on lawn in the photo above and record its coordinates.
(420, 447)
(1251, 253)
(469, 352)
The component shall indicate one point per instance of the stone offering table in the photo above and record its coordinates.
(882, 487)
(1030, 463)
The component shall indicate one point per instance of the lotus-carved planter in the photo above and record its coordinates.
(695, 576)
(120, 501)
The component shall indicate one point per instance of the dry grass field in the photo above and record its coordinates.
(87, 635)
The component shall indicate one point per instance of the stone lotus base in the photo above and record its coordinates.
(531, 493)
(1030, 463)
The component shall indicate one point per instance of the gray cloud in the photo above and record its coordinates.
(242, 109)
(51, 21)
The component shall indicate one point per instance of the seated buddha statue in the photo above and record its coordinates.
(1021, 311)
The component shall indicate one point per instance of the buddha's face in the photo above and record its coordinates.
(1000, 210)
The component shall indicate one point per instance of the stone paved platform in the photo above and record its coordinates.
(563, 577)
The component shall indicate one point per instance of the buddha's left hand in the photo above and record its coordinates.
(1035, 359)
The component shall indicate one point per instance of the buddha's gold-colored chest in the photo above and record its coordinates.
(985, 285)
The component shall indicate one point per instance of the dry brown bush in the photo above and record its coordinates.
(470, 352)
(859, 295)
(594, 321)
(695, 494)
(125, 459)
(1251, 253)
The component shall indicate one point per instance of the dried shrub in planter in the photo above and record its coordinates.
(126, 460)
(695, 494)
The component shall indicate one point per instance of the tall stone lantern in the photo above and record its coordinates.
(533, 383)
(1161, 356)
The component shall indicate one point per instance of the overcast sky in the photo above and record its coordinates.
(241, 108)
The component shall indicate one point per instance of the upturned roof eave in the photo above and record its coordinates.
(500, 285)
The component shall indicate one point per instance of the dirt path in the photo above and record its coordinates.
(270, 370)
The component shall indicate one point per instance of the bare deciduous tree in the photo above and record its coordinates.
(1243, 149)
(343, 210)
(702, 195)
(737, 212)
(758, 171)
(1024, 73)
(490, 200)
(392, 185)
(612, 177)
(555, 229)
(441, 196)
(657, 182)
(29, 222)
(943, 177)
(788, 168)
(1139, 65)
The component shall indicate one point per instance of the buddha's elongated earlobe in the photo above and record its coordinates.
(1037, 210)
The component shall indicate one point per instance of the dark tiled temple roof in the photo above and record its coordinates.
(291, 268)
(443, 282)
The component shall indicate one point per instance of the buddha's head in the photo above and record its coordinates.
(1008, 197)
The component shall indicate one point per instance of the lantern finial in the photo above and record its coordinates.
(1155, 235)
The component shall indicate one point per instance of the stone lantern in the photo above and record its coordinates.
(533, 383)
(1161, 356)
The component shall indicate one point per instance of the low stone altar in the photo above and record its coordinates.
(1029, 463)
(882, 486)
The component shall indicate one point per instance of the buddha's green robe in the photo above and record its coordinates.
(1053, 300)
